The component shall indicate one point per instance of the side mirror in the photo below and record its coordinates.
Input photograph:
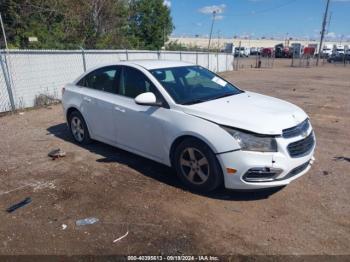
(147, 99)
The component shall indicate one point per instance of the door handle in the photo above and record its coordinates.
(119, 109)
(87, 99)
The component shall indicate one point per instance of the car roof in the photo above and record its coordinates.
(153, 64)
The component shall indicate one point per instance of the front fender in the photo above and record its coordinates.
(210, 133)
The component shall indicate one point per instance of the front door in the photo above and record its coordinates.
(140, 128)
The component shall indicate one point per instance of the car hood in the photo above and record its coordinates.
(250, 111)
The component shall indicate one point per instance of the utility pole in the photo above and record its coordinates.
(329, 21)
(211, 29)
(218, 40)
(322, 32)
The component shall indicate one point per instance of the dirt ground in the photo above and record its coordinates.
(128, 193)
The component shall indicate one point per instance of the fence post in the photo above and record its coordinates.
(239, 54)
(8, 84)
(126, 54)
(180, 56)
(226, 63)
(196, 57)
(84, 60)
(233, 61)
(217, 62)
(208, 60)
(158, 54)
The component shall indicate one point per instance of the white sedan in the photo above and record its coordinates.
(185, 116)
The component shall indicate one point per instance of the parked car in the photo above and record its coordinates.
(339, 58)
(267, 52)
(254, 51)
(187, 117)
(242, 51)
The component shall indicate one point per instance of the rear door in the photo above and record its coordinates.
(99, 94)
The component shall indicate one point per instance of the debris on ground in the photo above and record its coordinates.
(120, 238)
(233, 209)
(64, 226)
(342, 158)
(14, 207)
(43, 185)
(325, 173)
(86, 221)
(56, 153)
(21, 113)
(44, 100)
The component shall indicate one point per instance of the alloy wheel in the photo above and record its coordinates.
(194, 166)
(77, 129)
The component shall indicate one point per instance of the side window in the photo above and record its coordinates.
(104, 79)
(133, 82)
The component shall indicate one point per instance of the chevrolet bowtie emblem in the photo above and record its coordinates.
(304, 134)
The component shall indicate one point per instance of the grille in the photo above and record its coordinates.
(296, 130)
(301, 147)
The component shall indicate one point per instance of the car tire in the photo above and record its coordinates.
(197, 166)
(78, 128)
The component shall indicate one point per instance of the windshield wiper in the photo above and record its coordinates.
(224, 95)
(195, 101)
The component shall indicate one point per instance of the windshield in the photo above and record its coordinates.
(193, 84)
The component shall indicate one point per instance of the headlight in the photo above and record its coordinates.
(252, 142)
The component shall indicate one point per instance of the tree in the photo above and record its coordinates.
(42, 19)
(103, 23)
(67, 24)
(150, 24)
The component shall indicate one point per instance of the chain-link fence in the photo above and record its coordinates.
(311, 61)
(5, 92)
(254, 61)
(302, 61)
(26, 75)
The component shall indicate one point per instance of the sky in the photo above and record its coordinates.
(260, 18)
